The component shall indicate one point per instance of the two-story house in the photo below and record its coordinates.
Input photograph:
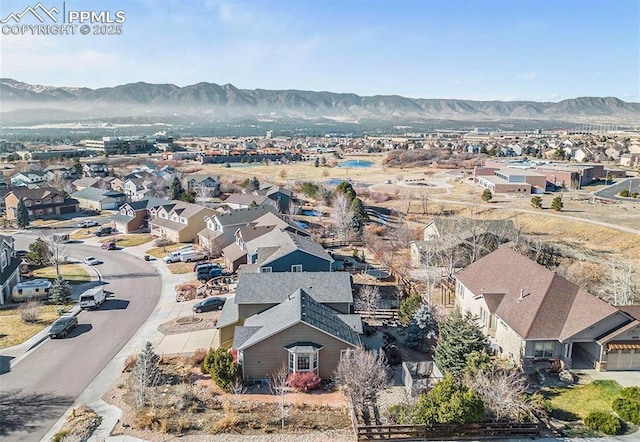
(530, 313)
(141, 185)
(9, 268)
(203, 185)
(268, 194)
(179, 221)
(43, 201)
(28, 178)
(300, 320)
(134, 215)
(95, 170)
(91, 198)
(55, 172)
(284, 251)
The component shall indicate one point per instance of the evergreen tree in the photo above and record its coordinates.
(254, 183)
(176, 190)
(316, 162)
(223, 369)
(77, 166)
(60, 291)
(536, 202)
(188, 197)
(347, 189)
(39, 253)
(22, 215)
(556, 204)
(422, 327)
(486, 195)
(459, 336)
(408, 308)
(359, 214)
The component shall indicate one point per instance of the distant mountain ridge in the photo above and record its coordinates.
(227, 100)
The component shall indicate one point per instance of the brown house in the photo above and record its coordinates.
(44, 201)
(135, 214)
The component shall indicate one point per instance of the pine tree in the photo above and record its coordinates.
(448, 402)
(316, 162)
(77, 166)
(223, 369)
(254, 183)
(408, 308)
(422, 327)
(176, 190)
(39, 253)
(556, 204)
(486, 195)
(60, 291)
(536, 202)
(359, 214)
(146, 372)
(459, 336)
(22, 215)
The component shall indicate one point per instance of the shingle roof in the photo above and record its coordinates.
(274, 219)
(297, 307)
(86, 182)
(550, 306)
(148, 203)
(273, 288)
(35, 193)
(246, 199)
(278, 243)
(230, 313)
(243, 216)
(95, 194)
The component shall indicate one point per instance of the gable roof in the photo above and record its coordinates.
(532, 300)
(95, 194)
(273, 288)
(298, 307)
(272, 218)
(198, 177)
(278, 243)
(242, 216)
(147, 203)
(86, 181)
(246, 199)
(34, 193)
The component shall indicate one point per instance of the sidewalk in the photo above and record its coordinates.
(180, 343)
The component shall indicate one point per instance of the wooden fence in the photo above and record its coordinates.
(447, 431)
(380, 313)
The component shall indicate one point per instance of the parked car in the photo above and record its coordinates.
(205, 274)
(91, 261)
(208, 305)
(201, 265)
(111, 245)
(88, 223)
(103, 231)
(63, 326)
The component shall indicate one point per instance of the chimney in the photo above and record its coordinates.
(521, 297)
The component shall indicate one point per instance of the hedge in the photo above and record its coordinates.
(627, 409)
(603, 422)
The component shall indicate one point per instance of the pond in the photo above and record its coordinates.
(301, 224)
(378, 274)
(307, 212)
(356, 163)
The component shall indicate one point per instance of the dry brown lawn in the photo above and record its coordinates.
(73, 273)
(14, 331)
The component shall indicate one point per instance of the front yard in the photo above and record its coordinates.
(83, 233)
(130, 240)
(161, 252)
(14, 331)
(577, 401)
(72, 273)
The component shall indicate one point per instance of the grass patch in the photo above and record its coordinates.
(161, 252)
(73, 273)
(130, 240)
(14, 331)
(43, 222)
(577, 401)
(179, 268)
(83, 233)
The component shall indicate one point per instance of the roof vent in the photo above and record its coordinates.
(522, 295)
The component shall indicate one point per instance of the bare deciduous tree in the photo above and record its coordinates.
(279, 386)
(342, 216)
(58, 251)
(362, 375)
(624, 283)
(368, 298)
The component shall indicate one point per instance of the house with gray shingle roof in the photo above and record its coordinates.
(301, 320)
(134, 215)
(530, 313)
(179, 221)
(91, 198)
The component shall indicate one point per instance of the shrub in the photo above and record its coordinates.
(603, 422)
(631, 393)
(624, 193)
(198, 356)
(305, 381)
(627, 409)
(30, 311)
(222, 368)
(130, 362)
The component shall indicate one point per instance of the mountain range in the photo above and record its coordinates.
(210, 100)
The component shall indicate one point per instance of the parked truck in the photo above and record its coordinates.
(92, 298)
(185, 256)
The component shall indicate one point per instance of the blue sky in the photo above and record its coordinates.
(512, 49)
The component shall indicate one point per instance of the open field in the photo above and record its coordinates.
(14, 331)
(73, 273)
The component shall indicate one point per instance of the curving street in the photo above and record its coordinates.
(42, 386)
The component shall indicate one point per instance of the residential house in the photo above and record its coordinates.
(134, 215)
(95, 170)
(114, 183)
(203, 185)
(220, 229)
(54, 172)
(268, 194)
(246, 200)
(235, 254)
(630, 160)
(141, 185)
(43, 201)
(86, 182)
(28, 178)
(284, 251)
(9, 268)
(179, 221)
(300, 320)
(281, 196)
(91, 198)
(530, 313)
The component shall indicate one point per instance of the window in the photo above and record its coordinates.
(543, 349)
(47, 201)
(307, 361)
(38, 202)
(27, 203)
(58, 199)
(265, 270)
(304, 362)
(492, 322)
(296, 268)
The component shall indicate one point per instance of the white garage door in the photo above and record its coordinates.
(624, 359)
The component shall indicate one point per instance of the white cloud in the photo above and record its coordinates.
(554, 95)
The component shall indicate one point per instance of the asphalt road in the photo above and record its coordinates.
(632, 184)
(40, 388)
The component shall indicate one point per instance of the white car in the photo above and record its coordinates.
(88, 223)
(91, 261)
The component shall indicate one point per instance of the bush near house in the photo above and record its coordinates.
(627, 409)
(603, 422)
(305, 381)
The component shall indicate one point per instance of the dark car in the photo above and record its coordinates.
(208, 305)
(111, 245)
(199, 267)
(63, 326)
(103, 231)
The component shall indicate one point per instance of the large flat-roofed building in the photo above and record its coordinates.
(510, 180)
(113, 144)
